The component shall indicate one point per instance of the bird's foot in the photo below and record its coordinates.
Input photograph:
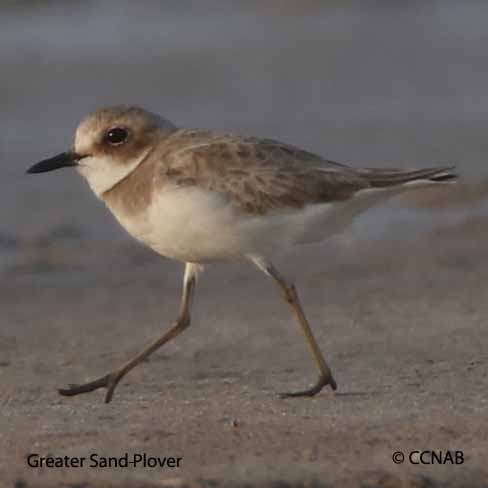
(313, 390)
(108, 381)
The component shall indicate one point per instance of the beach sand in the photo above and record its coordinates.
(402, 323)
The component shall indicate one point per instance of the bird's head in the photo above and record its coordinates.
(109, 144)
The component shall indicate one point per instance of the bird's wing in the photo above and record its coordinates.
(257, 175)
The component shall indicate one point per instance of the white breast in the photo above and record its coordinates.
(190, 224)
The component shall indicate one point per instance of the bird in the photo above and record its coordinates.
(203, 196)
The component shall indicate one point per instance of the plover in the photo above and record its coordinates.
(200, 196)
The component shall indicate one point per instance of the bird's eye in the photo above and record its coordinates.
(116, 136)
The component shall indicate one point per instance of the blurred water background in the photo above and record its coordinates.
(367, 83)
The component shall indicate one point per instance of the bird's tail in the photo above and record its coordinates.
(384, 178)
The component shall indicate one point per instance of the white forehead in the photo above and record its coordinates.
(94, 125)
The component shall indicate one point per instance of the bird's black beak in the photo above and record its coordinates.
(62, 160)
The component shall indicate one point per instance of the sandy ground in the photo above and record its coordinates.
(402, 322)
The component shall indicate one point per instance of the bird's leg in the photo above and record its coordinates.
(110, 380)
(325, 378)
(291, 297)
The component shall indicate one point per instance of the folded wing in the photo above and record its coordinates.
(257, 175)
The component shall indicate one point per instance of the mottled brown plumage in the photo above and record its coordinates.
(257, 175)
(263, 175)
